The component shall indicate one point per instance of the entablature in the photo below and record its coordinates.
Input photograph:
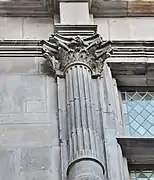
(99, 8)
(26, 8)
(20, 48)
(122, 51)
(131, 62)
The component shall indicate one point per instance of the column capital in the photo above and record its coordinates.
(61, 51)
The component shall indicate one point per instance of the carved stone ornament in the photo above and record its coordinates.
(60, 51)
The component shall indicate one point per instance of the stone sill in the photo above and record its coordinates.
(137, 150)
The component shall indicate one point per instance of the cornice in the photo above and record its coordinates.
(20, 48)
(99, 8)
(26, 8)
(119, 48)
(141, 149)
(122, 8)
(75, 30)
(118, 8)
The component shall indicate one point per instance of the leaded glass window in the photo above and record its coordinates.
(138, 113)
(142, 175)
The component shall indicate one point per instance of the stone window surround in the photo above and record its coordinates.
(134, 74)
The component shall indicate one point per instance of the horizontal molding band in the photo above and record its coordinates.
(137, 150)
(119, 48)
(99, 8)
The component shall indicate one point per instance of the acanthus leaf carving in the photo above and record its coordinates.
(60, 51)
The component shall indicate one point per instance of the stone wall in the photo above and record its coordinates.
(30, 133)
(25, 28)
(137, 28)
(29, 144)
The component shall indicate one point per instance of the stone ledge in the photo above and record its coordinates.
(122, 8)
(20, 48)
(137, 150)
(75, 30)
(23, 8)
(99, 8)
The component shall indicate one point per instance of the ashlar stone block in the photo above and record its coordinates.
(74, 13)
(17, 89)
(36, 106)
(37, 28)
(13, 24)
(7, 165)
(36, 159)
(27, 135)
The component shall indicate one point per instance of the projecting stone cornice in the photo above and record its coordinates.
(122, 8)
(120, 49)
(99, 8)
(119, 8)
(26, 8)
(137, 150)
(20, 48)
(131, 62)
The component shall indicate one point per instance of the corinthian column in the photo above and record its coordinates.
(78, 59)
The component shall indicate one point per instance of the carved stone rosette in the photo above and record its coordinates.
(78, 58)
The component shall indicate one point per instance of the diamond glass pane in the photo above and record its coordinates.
(138, 113)
(142, 175)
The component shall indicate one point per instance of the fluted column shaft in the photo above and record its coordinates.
(85, 147)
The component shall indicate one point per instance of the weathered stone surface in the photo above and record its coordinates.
(19, 65)
(133, 72)
(99, 8)
(81, 135)
(122, 8)
(140, 7)
(103, 27)
(36, 106)
(25, 28)
(37, 28)
(128, 28)
(14, 95)
(29, 162)
(13, 24)
(36, 159)
(141, 28)
(29, 118)
(58, 53)
(25, 100)
(86, 170)
(119, 28)
(141, 149)
(29, 135)
(109, 8)
(22, 89)
(37, 175)
(111, 124)
(7, 165)
(78, 13)
(56, 162)
(22, 8)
